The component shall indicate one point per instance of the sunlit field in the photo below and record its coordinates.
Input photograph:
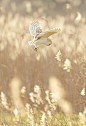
(44, 87)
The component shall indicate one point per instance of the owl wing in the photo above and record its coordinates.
(48, 33)
(35, 28)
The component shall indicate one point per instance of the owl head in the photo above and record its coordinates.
(49, 42)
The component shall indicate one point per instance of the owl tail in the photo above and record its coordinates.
(32, 42)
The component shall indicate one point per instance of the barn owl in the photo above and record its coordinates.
(41, 37)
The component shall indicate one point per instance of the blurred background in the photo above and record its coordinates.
(23, 67)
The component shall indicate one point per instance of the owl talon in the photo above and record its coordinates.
(35, 48)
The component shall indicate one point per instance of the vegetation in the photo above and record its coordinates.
(44, 87)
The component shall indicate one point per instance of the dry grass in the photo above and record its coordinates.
(23, 70)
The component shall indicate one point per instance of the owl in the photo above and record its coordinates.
(40, 36)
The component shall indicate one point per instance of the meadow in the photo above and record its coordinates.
(44, 87)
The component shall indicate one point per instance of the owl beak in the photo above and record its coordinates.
(50, 44)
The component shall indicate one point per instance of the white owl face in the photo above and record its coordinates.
(49, 42)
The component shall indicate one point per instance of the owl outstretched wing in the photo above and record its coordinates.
(35, 28)
(49, 32)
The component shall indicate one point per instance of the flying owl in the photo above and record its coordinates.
(41, 37)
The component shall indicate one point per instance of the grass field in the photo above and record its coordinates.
(44, 87)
